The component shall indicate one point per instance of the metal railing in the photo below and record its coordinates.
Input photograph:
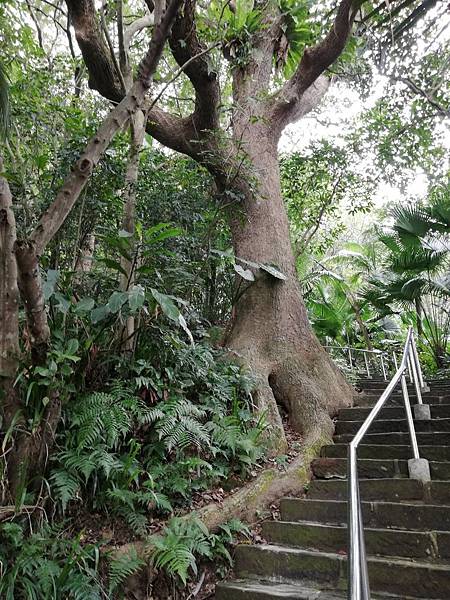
(358, 578)
(351, 353)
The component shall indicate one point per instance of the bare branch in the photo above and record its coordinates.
(135, 27)
(167, 128)
(55, 215)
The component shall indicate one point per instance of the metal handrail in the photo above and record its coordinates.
(358, 579)
(381, 354)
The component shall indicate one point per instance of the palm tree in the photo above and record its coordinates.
(416, 265)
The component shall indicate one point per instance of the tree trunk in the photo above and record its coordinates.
(418, 304)
(9, 308)
(31, 292)
(271, 331)
(137, 133)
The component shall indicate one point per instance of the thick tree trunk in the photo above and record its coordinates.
(270, 331)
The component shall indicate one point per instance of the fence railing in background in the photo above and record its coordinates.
(387, 361)
(358, 578)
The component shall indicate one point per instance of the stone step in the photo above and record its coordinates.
(378, 514)
(364, 401)
(246, 589)
(436, 492)
(387, 575)
(399, 439)
(385, 426)
(398, 391)
(383, 451)
(438, 411)
(334, 538)
(328, 468)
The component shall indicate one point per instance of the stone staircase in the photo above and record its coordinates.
(407, 524)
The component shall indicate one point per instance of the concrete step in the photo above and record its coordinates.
(334, 538)
(242, 589)
(438, 411)
(436, 492)
(246, 589)
(328, 468)
(383, 451)
(387, 575)
(378, 514)
(398, 391)
(369, 400)
(384, 426)
(400, 439)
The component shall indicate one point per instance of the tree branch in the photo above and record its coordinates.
(55, 215)
(169, 129)
(286, 105)
(186, 45)
(96, 55)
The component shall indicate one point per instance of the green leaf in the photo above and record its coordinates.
(116, 301)
(50, 284)
(183, 324)
(243, 9)
(168, 307)
(272, 270)
(136, 297)
(112, 264)
(85, 305)
(72, 346)
(125, 234)
(246, 274)
(63, 305)
(99, 314)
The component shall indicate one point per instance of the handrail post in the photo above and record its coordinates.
(367, 365)
(409, 418)
(354, 539)
(423, 385)
(412, 366)
(382, 367)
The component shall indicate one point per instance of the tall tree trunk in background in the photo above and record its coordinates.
(419, 312)
(9, 307)
(362, 326)
(137, 134)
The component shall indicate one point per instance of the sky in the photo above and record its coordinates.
(338, 116)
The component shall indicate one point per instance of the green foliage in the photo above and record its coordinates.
(186, 541)
(4, 103)
(46, 564)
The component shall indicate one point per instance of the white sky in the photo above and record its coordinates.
(337, 117)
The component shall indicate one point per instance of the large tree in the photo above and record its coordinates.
(237, 142)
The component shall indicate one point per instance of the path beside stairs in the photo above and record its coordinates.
(407, 524)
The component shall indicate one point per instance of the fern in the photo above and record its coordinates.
(47, 565)
(122, 567)
(184, 541)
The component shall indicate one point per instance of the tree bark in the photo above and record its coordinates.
(9, 307)
(137, 134)
(270, 330)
